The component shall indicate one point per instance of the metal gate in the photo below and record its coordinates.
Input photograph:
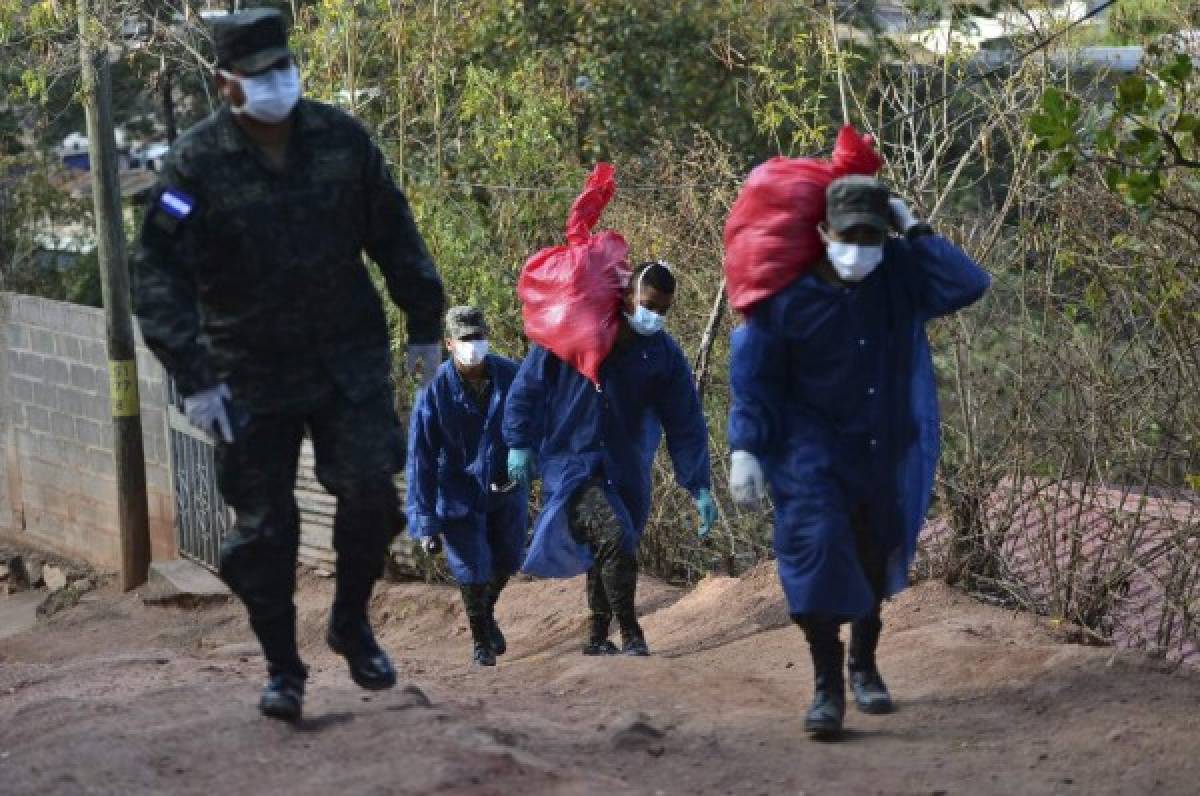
(201, 517)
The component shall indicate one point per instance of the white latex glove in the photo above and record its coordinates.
(206, 411)
(902, 218)
(426, 355)
(746, 481)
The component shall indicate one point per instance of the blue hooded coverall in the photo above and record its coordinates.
(455, 453)
(580, 431)
(834, 393)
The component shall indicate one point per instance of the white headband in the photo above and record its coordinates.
(642, 275)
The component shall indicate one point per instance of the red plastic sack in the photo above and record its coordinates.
(771, 234)
(571, 295)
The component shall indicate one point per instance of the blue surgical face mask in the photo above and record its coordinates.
(643, 321)
(646, 322)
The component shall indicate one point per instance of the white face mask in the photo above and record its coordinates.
(470, 353)
(270, 96)
(853, 262)
(643, 321)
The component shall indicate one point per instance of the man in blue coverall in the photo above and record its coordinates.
(834, 400)
(458, 487)
(594, 446)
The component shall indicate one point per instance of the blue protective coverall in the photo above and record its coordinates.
(580, 431)
(455, 454)
(834, 392)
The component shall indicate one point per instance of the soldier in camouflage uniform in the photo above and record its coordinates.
(251, 289)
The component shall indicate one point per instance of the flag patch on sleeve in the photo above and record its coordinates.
(176, 204)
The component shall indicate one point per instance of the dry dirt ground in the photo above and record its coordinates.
(115, 697)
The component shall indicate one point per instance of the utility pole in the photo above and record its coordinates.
(132, 512)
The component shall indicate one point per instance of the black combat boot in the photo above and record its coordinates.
(828, 710)
(601, 622)
(361, 549)
(619, 574)
(870, 692)
(283, 698)
(481, 634)
(633, 642)
(370, 667)
(499, 643)
(598, 643)
(475, 601)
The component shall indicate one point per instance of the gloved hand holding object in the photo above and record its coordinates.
(902, 218)
(708, 512)
(746, 481)
(520, 466)
(207, 411)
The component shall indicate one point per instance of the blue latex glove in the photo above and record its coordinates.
(207, 410)
(708, 512)
(520, 466)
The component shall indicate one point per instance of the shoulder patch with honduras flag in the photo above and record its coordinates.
(176, 203)
(174, 206)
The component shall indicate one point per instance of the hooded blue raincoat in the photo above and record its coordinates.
(580, 432)
(834, 392)
(455, 455)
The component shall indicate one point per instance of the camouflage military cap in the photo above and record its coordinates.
(856, 201)
(462, 322)
(250, 41)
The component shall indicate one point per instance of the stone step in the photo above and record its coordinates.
(182, 582)
(18, 612)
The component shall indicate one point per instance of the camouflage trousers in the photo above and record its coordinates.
(358, 448)
(479, 599)
(612, 580)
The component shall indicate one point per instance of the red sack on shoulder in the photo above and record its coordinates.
(771, 234)
(571, 295)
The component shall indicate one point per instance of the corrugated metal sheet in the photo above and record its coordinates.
(1114, 559)
(317, 508)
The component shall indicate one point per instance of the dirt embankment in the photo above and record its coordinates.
(114, 697)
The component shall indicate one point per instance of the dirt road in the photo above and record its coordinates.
(113, 697)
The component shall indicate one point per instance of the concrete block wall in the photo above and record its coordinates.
(8, 452)
(57, 476)
(57, 482)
